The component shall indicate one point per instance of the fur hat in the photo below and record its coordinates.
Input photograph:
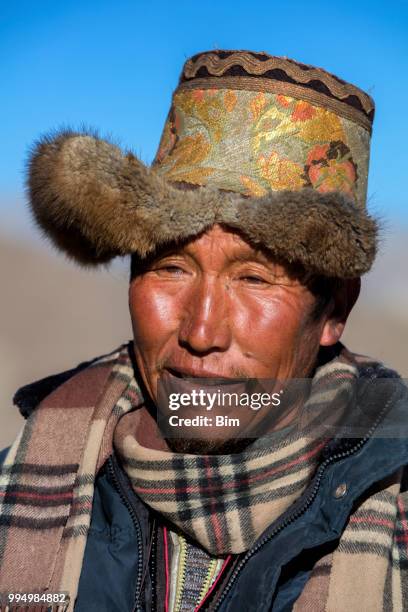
(276, 149)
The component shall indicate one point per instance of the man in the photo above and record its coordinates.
(248, 238)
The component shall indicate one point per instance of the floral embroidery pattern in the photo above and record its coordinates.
(330, 167)
(280, 172)
(257, 105)
(254, 142)
(251, 188)
(230, 100)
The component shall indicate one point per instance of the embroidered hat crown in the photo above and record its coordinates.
(251, 122)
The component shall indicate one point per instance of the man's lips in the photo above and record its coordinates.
(198, 373)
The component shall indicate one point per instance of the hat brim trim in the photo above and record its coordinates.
(94, 202)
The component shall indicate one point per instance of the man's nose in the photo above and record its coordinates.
(205, 326)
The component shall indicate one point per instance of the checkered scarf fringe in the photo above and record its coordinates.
(47, 485)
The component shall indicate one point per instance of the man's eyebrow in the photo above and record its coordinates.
(167, 253)
(256, 256)
(238, 256)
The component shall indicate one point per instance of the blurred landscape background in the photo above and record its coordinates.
(114, 66)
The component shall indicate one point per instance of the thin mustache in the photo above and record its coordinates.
(234, 371)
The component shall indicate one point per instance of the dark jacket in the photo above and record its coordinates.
(115, 576)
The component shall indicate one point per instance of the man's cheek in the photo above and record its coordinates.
(269, 325)
(153, 313)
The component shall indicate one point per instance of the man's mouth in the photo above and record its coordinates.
(189, 373)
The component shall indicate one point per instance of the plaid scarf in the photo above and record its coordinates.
(223, 502)
(47, 484)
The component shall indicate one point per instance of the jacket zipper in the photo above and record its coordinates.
(208, 581)
(153, 565)
(116, 479)
(182, 573)
(308, 502)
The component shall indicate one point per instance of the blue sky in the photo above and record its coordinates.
(114, 64)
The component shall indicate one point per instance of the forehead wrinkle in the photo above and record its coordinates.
(235, 249)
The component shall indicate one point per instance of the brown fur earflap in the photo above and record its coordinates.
(95, 202)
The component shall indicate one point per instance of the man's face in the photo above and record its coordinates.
(217, 307)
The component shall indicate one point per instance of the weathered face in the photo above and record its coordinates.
(217, 307)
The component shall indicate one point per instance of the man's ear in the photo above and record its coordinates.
(344, 298)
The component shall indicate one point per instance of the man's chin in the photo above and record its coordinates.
(199, 446)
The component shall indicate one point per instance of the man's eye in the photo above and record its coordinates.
(173, 270)
(253, 280)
